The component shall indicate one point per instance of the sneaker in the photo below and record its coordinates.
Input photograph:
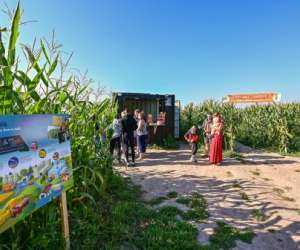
(192, 158)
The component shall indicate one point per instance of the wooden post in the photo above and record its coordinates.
(65, 219)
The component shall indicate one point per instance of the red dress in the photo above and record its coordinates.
(216, 149)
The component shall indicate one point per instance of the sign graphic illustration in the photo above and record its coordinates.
(35, 164)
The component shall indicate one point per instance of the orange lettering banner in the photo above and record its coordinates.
(253, 98)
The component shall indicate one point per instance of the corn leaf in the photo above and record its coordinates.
(14, 34)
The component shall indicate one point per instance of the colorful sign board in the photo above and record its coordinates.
(253, 98)
(35, 164)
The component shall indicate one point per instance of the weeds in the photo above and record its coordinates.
(172, 194)
(198, 207)
(183, 200)
(259, 215)
(226, 235)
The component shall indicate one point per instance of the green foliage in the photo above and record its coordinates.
(169, 211)
(198, 207)
(275, 126)
(172, 194)
(259, 215)
(226, 235)
(41, 87)
(170, 143)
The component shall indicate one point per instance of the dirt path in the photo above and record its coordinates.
(267, 183)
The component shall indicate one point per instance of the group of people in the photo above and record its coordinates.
(213, 138)
(129, 133)
(130, 137)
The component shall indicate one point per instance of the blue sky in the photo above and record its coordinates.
(195, 49)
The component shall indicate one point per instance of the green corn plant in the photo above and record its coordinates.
(274, 126)
(41, 87)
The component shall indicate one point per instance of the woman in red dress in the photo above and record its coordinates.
(216, 146)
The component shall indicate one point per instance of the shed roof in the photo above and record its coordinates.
(127, 95)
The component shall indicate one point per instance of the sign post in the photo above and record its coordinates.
(65, 219)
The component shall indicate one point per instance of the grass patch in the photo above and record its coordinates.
(166, 233)
(226, 235)
(169, 211)
(197, 214)
(259, 215)
(198, 205)
(172, 194)
(183, 200)
(127, 222)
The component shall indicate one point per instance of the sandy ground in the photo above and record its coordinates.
(270, 181)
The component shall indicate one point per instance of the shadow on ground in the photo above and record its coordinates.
(224, 197)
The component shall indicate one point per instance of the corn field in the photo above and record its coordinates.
(274, 126)
(46, 85)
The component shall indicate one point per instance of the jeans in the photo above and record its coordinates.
(115, 143)
(194, 148)
(128, 141)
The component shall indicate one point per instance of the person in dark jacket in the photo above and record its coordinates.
(129, 125)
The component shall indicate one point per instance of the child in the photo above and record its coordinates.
(192, 137)
(115, 141)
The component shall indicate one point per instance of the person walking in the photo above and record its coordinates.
(142, 134)
(192, 138)
(129, 125)
(136, 117)
(216, 146)
(206, 126)
(115, 141)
